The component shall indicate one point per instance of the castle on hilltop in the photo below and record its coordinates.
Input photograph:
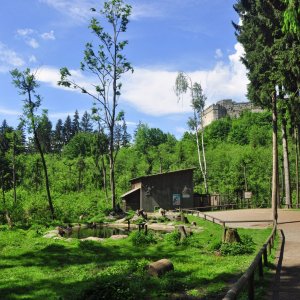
(227, 107)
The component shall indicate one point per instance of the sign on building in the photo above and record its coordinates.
(247, 195)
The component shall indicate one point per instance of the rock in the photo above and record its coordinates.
(160, 267)
(119, 236)
(50, 235)
(93, 238)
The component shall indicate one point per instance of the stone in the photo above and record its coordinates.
(50, 235)
(160, 267)
(93, 238)
(119, 236)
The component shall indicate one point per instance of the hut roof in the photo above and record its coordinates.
(160, 174)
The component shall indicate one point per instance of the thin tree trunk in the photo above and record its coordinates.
(112, 183)
(14, 167)
(204, 159)
(104, 176)
(46, 175)
(297, 165)
(286, 164)
(275, 159)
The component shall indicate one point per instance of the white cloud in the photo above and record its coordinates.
(32, 59)
(9, 112)
(78, 10)
(9, 58)
(151, 91)
(48, 35)
(218, 54)
(25, 31)
(144, 10)
(32, 43)
(26, 34)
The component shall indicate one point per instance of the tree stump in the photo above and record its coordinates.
(183, 218)
(231, 235)
(182, 231)
(160, 267)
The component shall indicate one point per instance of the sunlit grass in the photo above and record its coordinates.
(33, 267)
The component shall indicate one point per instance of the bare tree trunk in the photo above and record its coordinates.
(112, 183)
(275, 159)
(204, 158)
(14, 167)
(286, 164)
(104, 176)
(46, 175)
(297, 165)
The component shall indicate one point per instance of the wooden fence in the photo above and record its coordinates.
(260, 260)
(247, 278)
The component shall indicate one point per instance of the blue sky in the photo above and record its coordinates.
(165, 36)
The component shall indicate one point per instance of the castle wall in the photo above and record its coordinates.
(226, 107)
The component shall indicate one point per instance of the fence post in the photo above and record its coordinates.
(146, 229)
(128, 223)
(251, 287)
(265, 256)
(260, 268)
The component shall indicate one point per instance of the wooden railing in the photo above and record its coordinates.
(219, 221)
(260, 260)
(247, 279)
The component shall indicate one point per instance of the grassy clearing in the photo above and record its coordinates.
(33, 267)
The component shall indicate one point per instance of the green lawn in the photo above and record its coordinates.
(33, 267)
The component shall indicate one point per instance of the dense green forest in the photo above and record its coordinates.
(238, 158)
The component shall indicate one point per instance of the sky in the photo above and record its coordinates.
(165, 36)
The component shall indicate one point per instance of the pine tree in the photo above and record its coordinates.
(75, 123)
(86, 125)
(67, 130)
(58, 137)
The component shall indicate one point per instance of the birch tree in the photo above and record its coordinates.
(183, 84)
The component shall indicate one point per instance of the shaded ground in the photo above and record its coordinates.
(287, 279)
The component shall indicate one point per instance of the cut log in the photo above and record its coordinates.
(160, 267)
(231, 235)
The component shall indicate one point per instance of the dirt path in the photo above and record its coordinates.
(287, 281)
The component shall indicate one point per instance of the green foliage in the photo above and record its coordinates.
(139, 238)
(173, 237)
(246, 246)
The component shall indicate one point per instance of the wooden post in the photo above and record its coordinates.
(260, 268)
(265, 257)
(128, 225)
(146, 229)
(251, 287)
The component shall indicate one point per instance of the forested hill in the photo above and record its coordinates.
(238, 153)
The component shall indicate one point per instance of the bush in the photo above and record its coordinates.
(173, 237)
(139, 238)
(246, 246)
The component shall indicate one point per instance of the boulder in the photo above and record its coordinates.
(119, 236)
(93, 238)
(160, 267)
(50, 235)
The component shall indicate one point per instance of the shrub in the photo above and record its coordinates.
(139, 238)
(173, 237)
(246, 246)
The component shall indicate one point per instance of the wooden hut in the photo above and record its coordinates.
(169, 191)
